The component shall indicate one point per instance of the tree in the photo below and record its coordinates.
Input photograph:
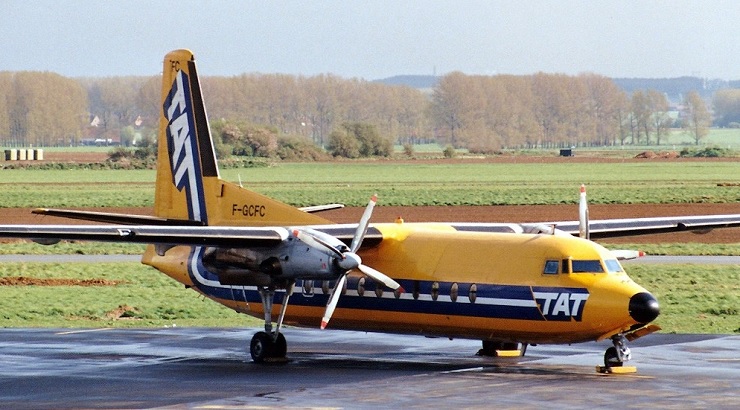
(607, 103)
(451, 107)
(641, 113)
(696, 116)
(6, 89)
(727, 107)
(46, 109)
(658, 105)
(371, 142)
(342, 144)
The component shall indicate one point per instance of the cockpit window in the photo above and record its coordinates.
(551, 267)
(613, 266)
(592, 266)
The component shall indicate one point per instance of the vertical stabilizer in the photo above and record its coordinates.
(188, 183)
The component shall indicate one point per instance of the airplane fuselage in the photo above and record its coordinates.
(459, 284)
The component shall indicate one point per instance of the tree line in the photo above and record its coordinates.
(352, 117)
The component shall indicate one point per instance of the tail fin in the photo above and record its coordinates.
(188, 184)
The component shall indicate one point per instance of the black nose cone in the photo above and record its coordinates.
(644, 307)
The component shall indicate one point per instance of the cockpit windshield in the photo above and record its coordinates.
(613, 266)
(586, 266)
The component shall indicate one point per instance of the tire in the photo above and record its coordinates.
(611, 359)
(261, 347)
(280, 347)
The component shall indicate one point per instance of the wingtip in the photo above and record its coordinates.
(324, 323)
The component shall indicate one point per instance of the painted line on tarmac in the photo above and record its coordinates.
(72, 332)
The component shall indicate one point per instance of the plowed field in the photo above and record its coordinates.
(519, 213)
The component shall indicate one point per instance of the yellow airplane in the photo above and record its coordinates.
(504, 284)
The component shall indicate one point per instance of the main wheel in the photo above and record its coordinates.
(611, 358)
(261, 347)
(280, 347)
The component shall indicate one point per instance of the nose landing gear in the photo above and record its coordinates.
(616, 355)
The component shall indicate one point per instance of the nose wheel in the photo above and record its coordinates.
(616, 355)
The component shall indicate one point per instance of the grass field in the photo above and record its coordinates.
(697, 299)
(676, 140)
(405, 183)
(693, 298)
(147, 298)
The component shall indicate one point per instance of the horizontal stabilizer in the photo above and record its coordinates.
(320, 208)
(114, 218)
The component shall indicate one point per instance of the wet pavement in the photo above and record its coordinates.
(209, 368)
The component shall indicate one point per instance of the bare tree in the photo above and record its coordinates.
(696, 116)
(727, 107)
(659, 106)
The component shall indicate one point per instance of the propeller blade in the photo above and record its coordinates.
(583, 225)
(316, 242)
(333, 299)
(362, 227)
(380, 277)
(627, 254)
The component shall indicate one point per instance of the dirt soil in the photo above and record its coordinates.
(28, 281)
(506, 213)
(519, 213)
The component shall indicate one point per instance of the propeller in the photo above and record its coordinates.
(584, 230)
(583, 226)
(347, 259)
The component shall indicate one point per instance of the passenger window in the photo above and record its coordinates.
(397, 293)
(453, 292)
(592, 266)
(435, 290)
(307, 288)
(361, 287)
(551, 267)
(473, 293)
(379, 289)
(566, 265)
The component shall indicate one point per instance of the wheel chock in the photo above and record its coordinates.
(508, 353)
(616, 370)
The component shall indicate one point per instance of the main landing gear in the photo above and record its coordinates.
(269, 346)
(616, 355)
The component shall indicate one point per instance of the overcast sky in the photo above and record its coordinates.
(375, 39)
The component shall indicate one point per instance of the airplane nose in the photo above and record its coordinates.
(644, 307)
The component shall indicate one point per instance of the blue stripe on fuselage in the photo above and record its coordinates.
(491, 300)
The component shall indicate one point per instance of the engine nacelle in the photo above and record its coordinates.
(292, 260)
(300, 261)
(540, 229)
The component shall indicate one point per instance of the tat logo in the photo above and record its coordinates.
(182, 145)
(561, 304)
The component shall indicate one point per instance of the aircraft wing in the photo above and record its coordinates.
(614, 228)
(130, 219)
(218, 236)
